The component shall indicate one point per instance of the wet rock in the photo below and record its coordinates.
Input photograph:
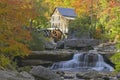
(45, 74)
(69, 75)
(105, 77)
(89, 75)
(118, 75)
(60, 45)
(80, 43)
(61, 73)
(14, 75)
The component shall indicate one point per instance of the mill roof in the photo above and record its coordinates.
(67, 12)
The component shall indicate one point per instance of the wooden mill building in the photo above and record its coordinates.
(61, 17)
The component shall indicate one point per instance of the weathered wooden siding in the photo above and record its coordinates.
(59, 21)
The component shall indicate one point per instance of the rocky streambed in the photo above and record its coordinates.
(42, 73)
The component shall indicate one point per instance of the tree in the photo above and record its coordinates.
(38, 40)
(108, 15)
(114, 26)
(14, 16)
(80, 26)
(42, 19)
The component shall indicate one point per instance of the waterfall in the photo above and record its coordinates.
(84, 61)
(101, 65)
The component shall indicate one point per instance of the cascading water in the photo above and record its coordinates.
(84, 61)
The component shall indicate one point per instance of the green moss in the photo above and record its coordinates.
(25, 68)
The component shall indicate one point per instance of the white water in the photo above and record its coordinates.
(84, 61)
(101, 65)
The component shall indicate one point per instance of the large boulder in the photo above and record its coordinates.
(14, 75)
(42, 73)
(47, 58)
(50, 45)
(51, 55)
(107, 47)
(80, 43)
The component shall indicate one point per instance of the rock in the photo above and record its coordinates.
(50, 45)
(118, 75)
(61, 73)
(44, 73)
(95, 75)
(51, 55)
(69, 75)
(35, 62)
(47, 58)
(27, 75)
(80, 43)
(105, 77)
(106, 47)
(13, 75)
(89, 75)
(60, 45)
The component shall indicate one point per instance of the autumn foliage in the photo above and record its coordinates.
(14, 17)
